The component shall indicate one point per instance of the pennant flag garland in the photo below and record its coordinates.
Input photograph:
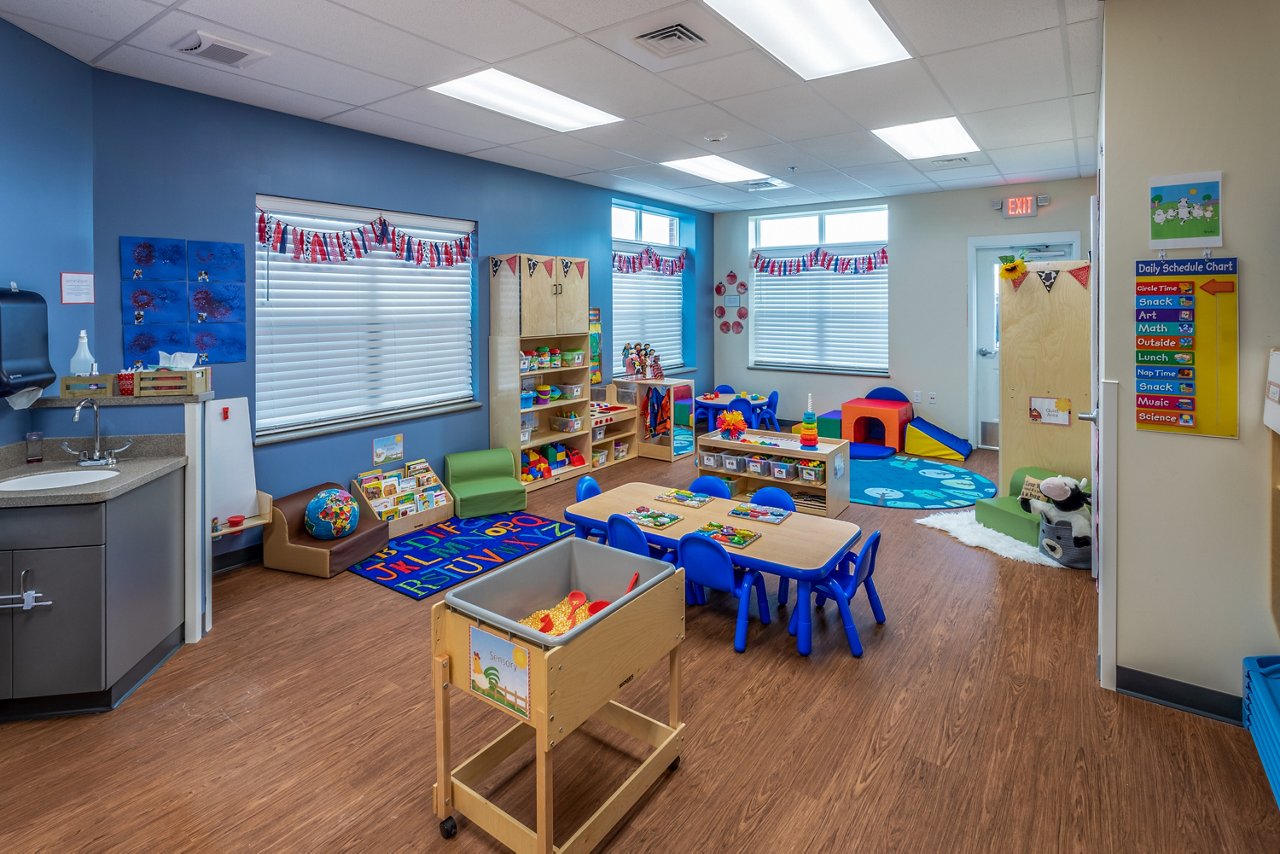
(648, 259)
(336, 246)
(821, 258)
(1047, 278)
(1081, 275)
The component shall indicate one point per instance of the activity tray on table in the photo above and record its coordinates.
(552, 685)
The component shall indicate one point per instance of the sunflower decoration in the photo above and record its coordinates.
(731, 424)
(1013, 269)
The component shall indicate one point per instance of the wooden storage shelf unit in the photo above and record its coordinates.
(538, 301)
(670, 446)
(828, 498)
(417, 520)
(620, 422)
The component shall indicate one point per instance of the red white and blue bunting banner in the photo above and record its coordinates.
(336, 246)
(821, 259)
(648, 259)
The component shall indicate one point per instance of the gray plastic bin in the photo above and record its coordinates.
(539, 580)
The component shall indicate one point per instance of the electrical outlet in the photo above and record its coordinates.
(933, 397)
(915, 396)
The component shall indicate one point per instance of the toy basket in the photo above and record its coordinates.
(597, 433)
(571, 391)
(566, 423)
(599, 458)
(573, 358)
(527, 398)
(813, 474)
(620, 450)
(736, 463)
(758, 465)
(711, 460)
(782, 471)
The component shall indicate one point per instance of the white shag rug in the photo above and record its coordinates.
(965, 528)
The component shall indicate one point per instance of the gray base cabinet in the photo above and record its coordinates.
(109, 583)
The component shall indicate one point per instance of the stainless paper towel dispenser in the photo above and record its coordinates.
(24, 341)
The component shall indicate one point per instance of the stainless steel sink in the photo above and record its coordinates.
(56, 479)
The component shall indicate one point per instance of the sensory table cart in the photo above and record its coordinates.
(568, 684)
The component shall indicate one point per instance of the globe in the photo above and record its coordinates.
(331, 515)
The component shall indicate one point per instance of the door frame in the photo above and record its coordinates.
(997, 241)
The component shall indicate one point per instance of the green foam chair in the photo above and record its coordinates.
(1004, 514)
(484, 482)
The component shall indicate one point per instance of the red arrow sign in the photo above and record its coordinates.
(1214, 286)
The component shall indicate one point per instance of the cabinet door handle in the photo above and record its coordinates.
(29, 598)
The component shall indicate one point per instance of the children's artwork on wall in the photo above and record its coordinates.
(209, 261)
(145, 303)
(218, 343)
(595, 331)
(167, 283)
(1185, 211)
(153, 259)
(216, 303)
(142, 344)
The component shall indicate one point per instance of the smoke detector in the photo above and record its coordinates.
(220, 50)
(670, 40)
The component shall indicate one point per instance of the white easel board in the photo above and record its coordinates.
(231, 485)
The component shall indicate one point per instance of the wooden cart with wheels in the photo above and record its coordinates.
(566, 685)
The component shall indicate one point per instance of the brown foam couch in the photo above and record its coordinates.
(287, 545)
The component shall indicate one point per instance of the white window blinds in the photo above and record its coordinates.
(820, 320)
(359, 341)
(647, 308)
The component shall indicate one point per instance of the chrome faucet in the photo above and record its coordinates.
(99, 458)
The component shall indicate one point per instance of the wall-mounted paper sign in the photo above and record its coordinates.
(1051, 410)
(732, 301)
(77, 288)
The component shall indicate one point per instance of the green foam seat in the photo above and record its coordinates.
(484, 482)
(1004, 514)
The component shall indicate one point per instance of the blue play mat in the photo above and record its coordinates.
(914, 483)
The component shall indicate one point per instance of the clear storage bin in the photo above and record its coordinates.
(711, 460)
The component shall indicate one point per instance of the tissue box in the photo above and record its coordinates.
(161, 383)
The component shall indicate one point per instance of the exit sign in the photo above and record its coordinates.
(1019, 206)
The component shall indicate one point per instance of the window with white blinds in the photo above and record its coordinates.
(820, 320)
(648, 308)
(361, 341)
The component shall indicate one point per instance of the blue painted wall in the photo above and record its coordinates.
(153, 160)
(46, 187)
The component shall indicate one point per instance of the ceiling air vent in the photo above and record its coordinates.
(671, 40)
(219, 50)
(767, 184)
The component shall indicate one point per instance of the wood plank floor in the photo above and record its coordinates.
(972, 723)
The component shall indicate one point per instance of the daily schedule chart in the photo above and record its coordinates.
(1187, 346)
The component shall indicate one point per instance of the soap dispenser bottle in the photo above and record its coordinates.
(82, 362)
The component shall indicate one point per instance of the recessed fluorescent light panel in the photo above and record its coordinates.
(816, 38)
(502, 93)
(715, 168)
(936, 138)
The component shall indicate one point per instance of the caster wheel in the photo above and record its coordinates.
(449, 828)
(675, 763)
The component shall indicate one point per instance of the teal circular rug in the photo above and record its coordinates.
(914, 483)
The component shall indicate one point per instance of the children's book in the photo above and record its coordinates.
(727, 535)
(416, 467)
(646, 518)
(684, 497)
(760, 513)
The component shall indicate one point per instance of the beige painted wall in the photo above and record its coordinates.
(1192, 538)
(928, 296)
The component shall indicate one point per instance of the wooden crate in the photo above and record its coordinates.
(94, 385)
(164, 383)
(406, 524)
(568, 684)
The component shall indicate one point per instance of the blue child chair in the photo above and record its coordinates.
(724, 388)
(709, 484)
(842, 584)
(707, 564)
(748, 414)
(588, 488)
(768, 414)
(774, 496)
(626, 535)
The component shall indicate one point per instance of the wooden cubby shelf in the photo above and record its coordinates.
(832, 493)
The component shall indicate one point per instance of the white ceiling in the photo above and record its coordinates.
(1022, 76)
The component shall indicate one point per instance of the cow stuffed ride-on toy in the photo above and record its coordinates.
(1066, 530)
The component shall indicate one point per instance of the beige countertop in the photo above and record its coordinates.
(134, 472)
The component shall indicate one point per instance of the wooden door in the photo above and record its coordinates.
(573, 278)
(538, 295)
